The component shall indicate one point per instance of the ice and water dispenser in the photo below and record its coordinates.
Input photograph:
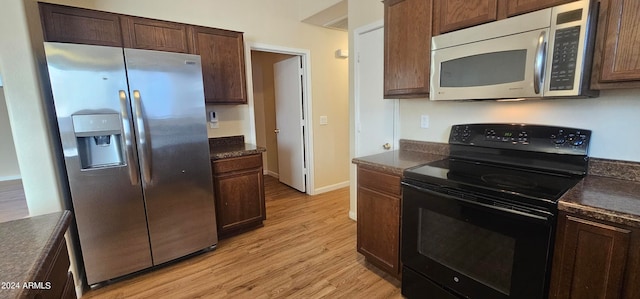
(99, 140)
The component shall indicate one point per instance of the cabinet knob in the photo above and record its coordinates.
(386, 146)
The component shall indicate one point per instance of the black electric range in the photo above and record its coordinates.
(480, 224)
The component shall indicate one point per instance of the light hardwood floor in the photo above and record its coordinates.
(306, 249)
(13, 204)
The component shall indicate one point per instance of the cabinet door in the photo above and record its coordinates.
(516, 7)
(378, 224)
(241, 199)
(223, 66)
(407, 44)
(589, 259)
(617, 59)
(80, 26)
(141, 33)
(449, 15)
(378, 229)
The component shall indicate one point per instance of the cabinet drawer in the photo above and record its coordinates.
(235, 164)
(379, 181)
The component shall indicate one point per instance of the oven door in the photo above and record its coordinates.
(474, 248)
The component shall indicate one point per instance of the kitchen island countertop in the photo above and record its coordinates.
(26, 246)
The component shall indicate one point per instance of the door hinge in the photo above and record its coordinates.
(301, 71)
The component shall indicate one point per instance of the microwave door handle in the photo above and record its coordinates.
(538, 63)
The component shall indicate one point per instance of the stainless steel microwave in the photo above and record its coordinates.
(543, 54)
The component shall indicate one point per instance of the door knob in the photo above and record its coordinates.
(276, 131)
(386, 146)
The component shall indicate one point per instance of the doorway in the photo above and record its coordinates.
(13, 203)
(282, 111)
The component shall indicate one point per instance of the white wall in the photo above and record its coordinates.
(613, 118)
(19, 61)
(8, 160)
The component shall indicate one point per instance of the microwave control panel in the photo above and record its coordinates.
(564, 59)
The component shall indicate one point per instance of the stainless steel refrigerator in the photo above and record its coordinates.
(133, 131)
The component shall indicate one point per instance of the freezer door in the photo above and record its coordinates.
(168, 106)
(90, 95)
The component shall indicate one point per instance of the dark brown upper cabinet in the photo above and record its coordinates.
(148, 34)
(221, 51)
(616, 57)
(450, 15)
(407, 44)
(223, 66)
(81, 26)
(516, 7)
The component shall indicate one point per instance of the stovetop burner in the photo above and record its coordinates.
(494, 179)
(508, 181)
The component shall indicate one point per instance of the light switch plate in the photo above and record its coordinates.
(424, 121)
(324, 120)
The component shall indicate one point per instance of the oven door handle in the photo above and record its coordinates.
(548, 218)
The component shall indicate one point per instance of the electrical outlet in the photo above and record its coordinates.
(424, 121)
(324, 120)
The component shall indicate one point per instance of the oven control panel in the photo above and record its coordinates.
(549, 139)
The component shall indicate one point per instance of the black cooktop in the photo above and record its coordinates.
(529, 164)
(493, 179)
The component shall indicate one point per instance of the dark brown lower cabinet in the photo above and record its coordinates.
(53, 278)
(239, 194)
(595, 259)
(379, 198)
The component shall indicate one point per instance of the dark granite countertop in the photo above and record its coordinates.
(25, 246)
(604, 198)
(234, 150)
(395, 162)
(232, 146)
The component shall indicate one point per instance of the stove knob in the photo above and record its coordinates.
(560, 139)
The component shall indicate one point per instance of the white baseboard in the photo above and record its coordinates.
(10, 178)
(353, 215)
(331, 187)
(271, 173)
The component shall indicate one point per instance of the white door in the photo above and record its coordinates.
(374, 115)
(289, 122)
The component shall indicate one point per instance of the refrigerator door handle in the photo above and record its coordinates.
(127, 129)
(145, 153)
